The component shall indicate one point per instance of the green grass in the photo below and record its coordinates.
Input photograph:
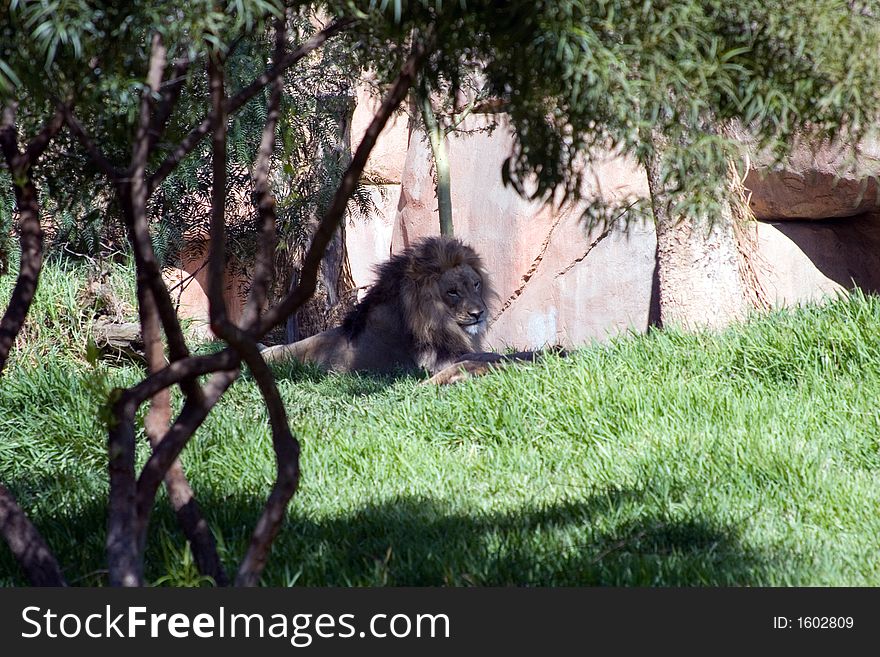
(748, 457)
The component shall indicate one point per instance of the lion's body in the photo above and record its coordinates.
(426, 310)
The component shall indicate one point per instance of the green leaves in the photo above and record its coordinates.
(8, 78)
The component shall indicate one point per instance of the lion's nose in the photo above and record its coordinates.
(477, 314)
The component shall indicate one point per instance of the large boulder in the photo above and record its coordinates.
(386, 161)
(818, 180)
(190, 299)
(368, 239)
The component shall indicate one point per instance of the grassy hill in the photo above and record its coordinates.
(748, 457)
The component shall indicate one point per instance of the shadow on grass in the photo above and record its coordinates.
(610, 538)
(413, 541)
(360, 383)
(355, 384)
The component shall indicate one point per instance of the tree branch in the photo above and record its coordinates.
(287, 452)
(134, 194)
(180, 493)
(39, 143)
(194, 412)
(285, 445)
(124, 536)
(28, 547)
(217, 253)
(124, 559)
(30, 229)
(180, 370)
(141, 151)
(26, 543)
(266, 216)
(170, 94)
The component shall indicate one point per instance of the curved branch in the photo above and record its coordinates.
(95, 153)
(285, 445)
(180, 370)
(180, 493)
(28, 547)
(195, 410)
(30, 230)
(170, 94)
(266, 216)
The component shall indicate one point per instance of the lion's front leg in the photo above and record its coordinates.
(459, 371)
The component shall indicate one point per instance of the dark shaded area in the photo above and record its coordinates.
(845, 250)
(413, 541)
(347, 385)
(654, 305)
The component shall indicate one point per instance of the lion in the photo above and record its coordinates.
(426, 311)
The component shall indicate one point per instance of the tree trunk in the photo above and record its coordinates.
(28, 547)
(443, 185)
(700, 283)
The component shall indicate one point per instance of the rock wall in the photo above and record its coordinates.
(548, 267)
(816, 181)
(560, 283)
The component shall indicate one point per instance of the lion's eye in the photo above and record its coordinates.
(477, 285)
(453, 293)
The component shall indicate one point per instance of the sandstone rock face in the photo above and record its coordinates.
(387, 158)
(799, 261)
(368, 239)
(188, 287)
(585, 288)
(191, 300)
(560, 283)
(817, 181)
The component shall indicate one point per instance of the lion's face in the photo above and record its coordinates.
(461, 289)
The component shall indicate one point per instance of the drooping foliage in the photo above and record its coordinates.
(573, 76)
(578, 77)
(80, 209)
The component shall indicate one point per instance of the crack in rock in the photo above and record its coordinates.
(592, 245)
(530, 272)
(537, 262)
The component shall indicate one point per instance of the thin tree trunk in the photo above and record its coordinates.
(443, 186)
(180, 493)
(131, 501)
(27, 545)
(334, 275)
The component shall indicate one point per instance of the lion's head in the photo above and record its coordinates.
(438, 289)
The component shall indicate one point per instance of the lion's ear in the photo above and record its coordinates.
(422, 268)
